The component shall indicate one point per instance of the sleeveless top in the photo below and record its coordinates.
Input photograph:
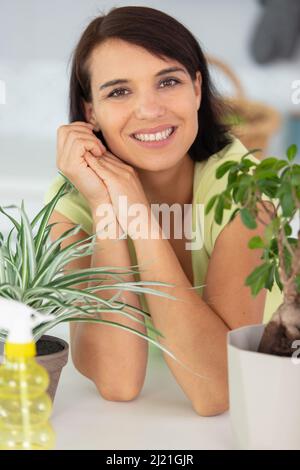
(205, 184)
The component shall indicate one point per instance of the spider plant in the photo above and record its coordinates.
(31, 271)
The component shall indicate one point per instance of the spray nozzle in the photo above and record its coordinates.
(37, 318)
(20, 319)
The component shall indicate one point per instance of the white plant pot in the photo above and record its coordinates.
(264, 392)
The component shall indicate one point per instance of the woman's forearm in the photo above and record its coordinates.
(113, 358)
(192, 330)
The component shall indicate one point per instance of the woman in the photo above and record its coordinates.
(136, 72)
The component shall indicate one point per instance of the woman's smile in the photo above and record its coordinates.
(163, 139)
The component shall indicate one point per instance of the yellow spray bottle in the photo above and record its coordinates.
(25, 407)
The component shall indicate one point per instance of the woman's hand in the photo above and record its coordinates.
(75, 143)
(121, 179)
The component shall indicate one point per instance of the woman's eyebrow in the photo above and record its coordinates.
(117, 81)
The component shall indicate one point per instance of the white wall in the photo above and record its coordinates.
(36, 40)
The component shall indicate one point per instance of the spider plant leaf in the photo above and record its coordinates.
(137, 287)
(8, 245)
(46, 273)
(18, 253)
(30, 246)
(134, 309)
(66, 309)
(34, 292)
(51, 250)
(77, 280)
(15, 277)
(8, 256)
(12, 219)
(47, 209)
(83, 275)
(45, 241)
(16, 292)
(138, 333)
(78, 293)
(128, 328)
(45, 213)
(3, 278)
(28, 267)
(9, 274)
(67, 295)
(65, 317)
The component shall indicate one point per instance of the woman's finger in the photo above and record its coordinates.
(82, 123)
(81, 132)
(77, 148)
(112, 156)
(86, 142)
(112, 164)
(64, 131)
(107, 156)
(99, 166)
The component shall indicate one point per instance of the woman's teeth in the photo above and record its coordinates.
(151, 137)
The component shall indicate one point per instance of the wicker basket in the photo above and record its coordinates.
(258, 121)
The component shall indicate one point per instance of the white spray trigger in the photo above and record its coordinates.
(19, 320)
(37, 318)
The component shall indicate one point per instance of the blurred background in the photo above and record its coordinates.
(256, 44)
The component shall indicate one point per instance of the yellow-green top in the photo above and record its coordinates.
(75, 207)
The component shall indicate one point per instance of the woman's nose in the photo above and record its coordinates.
(149, 105)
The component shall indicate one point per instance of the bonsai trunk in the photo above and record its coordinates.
(284, 327)
(282, 330)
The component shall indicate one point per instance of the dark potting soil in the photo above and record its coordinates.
(44, 346)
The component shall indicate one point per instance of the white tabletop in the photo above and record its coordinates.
(160, 418)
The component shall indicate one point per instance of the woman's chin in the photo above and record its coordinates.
(154, 164)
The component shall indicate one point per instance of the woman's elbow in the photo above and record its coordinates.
(117, 394)
(211, 407)
(120, 394)
(207, 411)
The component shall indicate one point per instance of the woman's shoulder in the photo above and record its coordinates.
(207, 185)
(72, 193)
(53, 187)
(205, 171)
(235, 150)
(72, 204)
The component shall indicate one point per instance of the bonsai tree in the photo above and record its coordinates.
(31, 271)
(250, 185)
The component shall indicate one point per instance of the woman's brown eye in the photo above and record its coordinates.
(119, 90)
(111, 95)
(168, 80)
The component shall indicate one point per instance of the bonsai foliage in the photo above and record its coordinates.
(233, 119)
(31, 271)
(268, 192)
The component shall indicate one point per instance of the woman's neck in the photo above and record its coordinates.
(170, 186)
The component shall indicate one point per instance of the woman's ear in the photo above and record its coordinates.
(90, 115)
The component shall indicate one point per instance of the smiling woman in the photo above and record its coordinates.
(145, 125)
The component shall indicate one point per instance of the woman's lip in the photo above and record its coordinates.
(154, 143)
(154, 130)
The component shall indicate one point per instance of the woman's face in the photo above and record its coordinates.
(148, 99)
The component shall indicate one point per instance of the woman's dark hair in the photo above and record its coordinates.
(163, 36)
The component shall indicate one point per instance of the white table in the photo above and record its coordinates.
(160, 418)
